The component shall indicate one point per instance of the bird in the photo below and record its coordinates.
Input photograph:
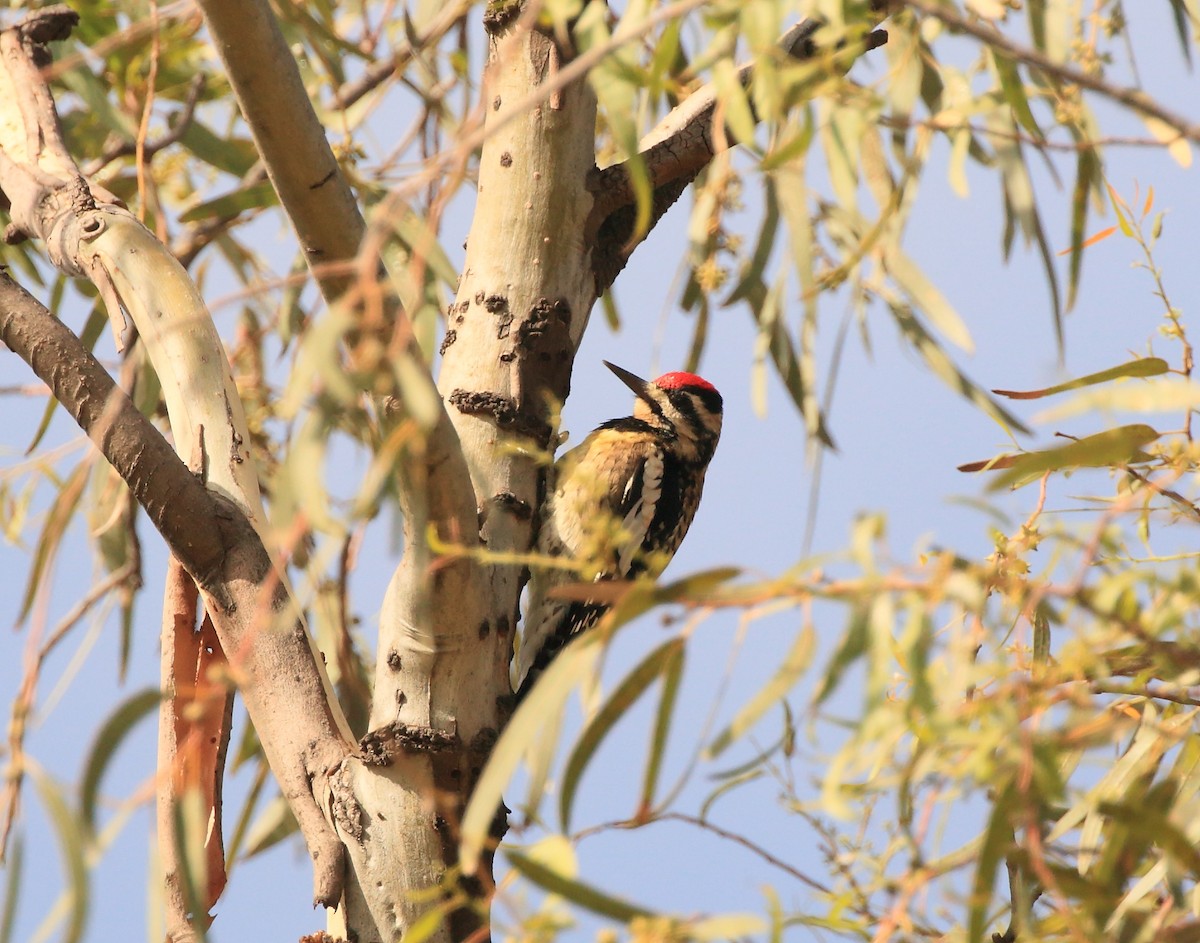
(620, 504)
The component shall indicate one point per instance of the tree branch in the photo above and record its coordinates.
(674, 153)
(379, 72)
(209, 520)
(1132, 98)
(288, 135)
(298, 724)
(434, 484)
(179, 124)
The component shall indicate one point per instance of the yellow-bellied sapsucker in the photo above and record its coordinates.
(621, 504)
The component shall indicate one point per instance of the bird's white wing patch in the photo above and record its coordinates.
(636, 523)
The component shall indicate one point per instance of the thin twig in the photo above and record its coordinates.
(716, 830)
(1132, 98)
(182, 121)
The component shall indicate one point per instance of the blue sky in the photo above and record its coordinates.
(900, 435)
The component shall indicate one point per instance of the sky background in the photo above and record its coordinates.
(900, 434)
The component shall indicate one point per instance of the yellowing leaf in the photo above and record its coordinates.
(1165, 395)
(1119, 446)
(1177, 144)
(577, 892)
(1142, 367)
(1091, 240)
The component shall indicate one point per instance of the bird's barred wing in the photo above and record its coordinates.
(636, 509)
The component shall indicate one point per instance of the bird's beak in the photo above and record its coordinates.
(633, 381)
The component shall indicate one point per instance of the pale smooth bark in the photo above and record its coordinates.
(219, 540)
(547, 237)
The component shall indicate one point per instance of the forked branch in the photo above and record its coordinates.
(674, 153)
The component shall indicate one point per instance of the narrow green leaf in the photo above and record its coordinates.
(852, 647)
(795, 663)
(739, 116)
(1142, 367)
(1014, 92)
(575, 891)
(1120, 446)
(1140, 760)
(425, 926)
(841, 135)
(996, 842)
(104, 747)
(626, 693)
(1041, 635)
(274, 824)
(925, 297)
(1087, 177)
(241, 827)
(1179, 12)
(97, 97)
(58, 519)
(694, 587)
(1021, 202)
(189, 822)
(235, 156)
(753, 272)
(728, 786)
(672, 674)
(523, 734)
(945, 370)
(254, 197)
(14, 865)
(71, 849)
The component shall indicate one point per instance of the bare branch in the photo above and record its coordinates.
(379, 72)
(180, 122)
(173, 498)
(290, 138)
(674, 153)
(323, 211)
(299, 724)
(1132, 98)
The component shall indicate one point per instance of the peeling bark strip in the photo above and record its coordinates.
(300, 727)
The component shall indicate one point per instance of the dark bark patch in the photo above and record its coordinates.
(479, 297)
(506, 159)
(324, 180)
(496, 103)
(498, 305)
(503, 409)
(484, 628)
(448, 340)
(381, 746)
(393, 660)
(499, 13)
(545, 337)
(515, 506)
(479, 403)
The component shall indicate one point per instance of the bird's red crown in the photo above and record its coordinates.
(680, 379)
